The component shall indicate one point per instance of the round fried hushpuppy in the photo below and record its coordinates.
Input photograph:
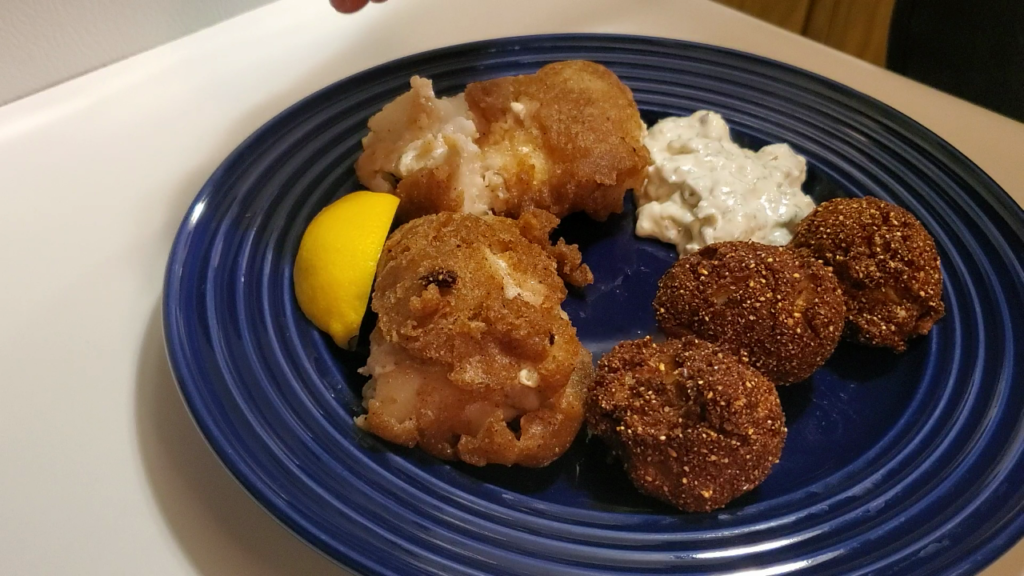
(779, 312)
(473, 358)
(886, 263)
(694, 426)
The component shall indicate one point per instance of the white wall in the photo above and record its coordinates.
(44, 42)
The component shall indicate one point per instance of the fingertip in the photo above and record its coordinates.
(348, 6)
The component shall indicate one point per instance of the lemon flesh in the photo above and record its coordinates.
(337, 260)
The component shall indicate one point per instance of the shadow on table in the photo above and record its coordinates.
(216, 523)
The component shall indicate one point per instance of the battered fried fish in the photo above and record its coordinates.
(472, 357)
(566, 139)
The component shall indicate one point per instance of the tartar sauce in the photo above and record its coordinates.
(703, 188)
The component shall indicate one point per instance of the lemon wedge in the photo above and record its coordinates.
(337, 260)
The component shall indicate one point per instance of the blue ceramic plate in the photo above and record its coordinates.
(895, 464)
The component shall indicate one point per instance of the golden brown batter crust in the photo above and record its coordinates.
(472, 357)
(582, 129)
(563, 140)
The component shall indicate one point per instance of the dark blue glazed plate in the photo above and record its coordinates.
(895, 464)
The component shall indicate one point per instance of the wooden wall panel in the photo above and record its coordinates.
(857, 27)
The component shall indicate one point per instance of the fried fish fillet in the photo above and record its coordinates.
(566, 139)
(473, 358)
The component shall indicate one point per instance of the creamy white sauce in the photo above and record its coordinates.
(703, 188)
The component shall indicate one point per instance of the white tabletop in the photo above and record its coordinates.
(103, 472)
